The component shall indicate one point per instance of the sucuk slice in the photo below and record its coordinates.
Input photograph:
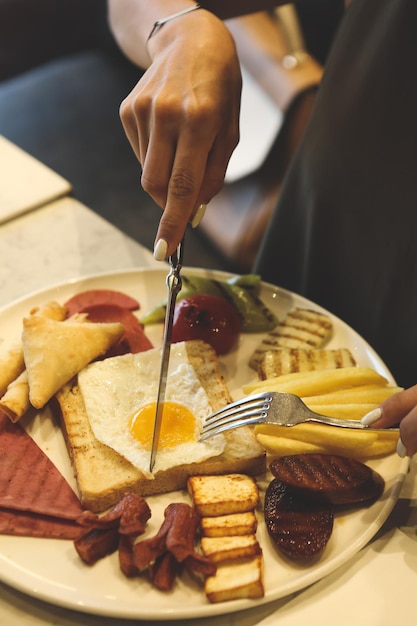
(329, 478)
(299, 528)
(29, 481)
(100, 296)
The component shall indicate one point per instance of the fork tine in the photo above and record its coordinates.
(232, 416)
(245, 403)
(234, 421)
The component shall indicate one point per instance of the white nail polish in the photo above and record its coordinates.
(401, 451)
(371, 417)
(160, 250)
(198, 215)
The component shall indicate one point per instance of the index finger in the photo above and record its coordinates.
(396, 407)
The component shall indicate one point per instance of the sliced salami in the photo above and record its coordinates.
(133, 339)
(22, 524)
(29, 481)
(93, 297)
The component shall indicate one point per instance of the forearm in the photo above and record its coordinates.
(131, 21)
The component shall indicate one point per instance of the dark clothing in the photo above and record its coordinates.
(344, 233)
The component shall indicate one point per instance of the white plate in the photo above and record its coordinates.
(51, 570)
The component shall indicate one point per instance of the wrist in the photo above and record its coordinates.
(199, 27)
(172, 16)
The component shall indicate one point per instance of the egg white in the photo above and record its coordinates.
(115, 388)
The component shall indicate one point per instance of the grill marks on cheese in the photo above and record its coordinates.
(301, 328)
(282, 361)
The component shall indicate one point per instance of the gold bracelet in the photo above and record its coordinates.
(292, 60)
(159, 23)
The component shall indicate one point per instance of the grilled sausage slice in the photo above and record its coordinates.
(328, 478)
(299, 528)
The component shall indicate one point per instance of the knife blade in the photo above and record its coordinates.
(174, 284)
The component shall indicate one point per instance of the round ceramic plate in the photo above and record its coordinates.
(51, 570)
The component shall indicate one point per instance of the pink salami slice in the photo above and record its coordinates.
(100, 296)
(133, 339)
(29, 481)
(22, 524)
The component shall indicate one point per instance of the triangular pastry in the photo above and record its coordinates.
(15, 401)
(11, 354)
(55, 351)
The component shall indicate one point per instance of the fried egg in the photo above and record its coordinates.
(120, 393)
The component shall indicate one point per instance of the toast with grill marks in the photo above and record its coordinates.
(103, 476)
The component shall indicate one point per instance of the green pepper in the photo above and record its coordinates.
(240, 291)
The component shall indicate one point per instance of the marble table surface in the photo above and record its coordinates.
(64, 240)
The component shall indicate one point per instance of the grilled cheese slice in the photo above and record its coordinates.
(281, 361)
(229, 525)
(225, 503)
(220, 549)
(301, 328)
(241, 578)
(223, 494)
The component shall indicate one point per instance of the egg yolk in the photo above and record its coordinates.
(178, 425)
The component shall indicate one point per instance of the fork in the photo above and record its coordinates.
(269, 407)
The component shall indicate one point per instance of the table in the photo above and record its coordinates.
(64, 239)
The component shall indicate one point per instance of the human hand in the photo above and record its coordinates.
(401, 409)
(182, 119)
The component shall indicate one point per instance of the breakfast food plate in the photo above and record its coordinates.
(51, 569)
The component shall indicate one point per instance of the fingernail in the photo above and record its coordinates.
(198, 215)
(401, 451)
(160, 250)
(371, 417)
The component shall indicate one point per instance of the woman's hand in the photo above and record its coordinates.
(182, 119)
(398, 409)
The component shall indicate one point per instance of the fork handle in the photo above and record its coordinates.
(333, 421)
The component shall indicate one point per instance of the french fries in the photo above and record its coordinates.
(346, 393)
(360, 444)
(318, 382)
(365, 394)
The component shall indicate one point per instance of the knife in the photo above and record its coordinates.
(174, 284)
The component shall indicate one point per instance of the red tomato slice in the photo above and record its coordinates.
(100, 296)
(209, 318)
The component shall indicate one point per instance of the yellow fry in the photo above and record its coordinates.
(342, 411)
(318, 382)
(321, 435)
(381, 447)
(280, 446)
(361, 394)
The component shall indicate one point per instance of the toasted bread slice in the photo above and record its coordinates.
(288, 360)
(103, 476)
(221, 495)
(301, 328)
(220, 549)
(229, 525)
(242, 578)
